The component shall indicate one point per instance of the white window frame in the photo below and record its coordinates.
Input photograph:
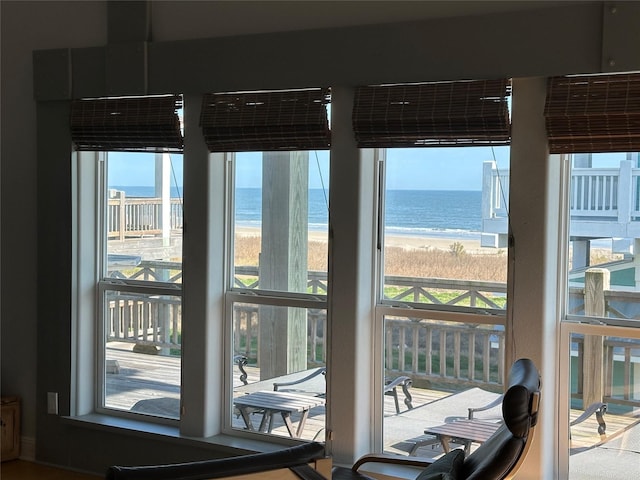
(234, 294)
(567, 328)
(91, 287)
(424, 311)
(570, 324)
(87, 168)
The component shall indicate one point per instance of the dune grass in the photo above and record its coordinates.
(425, 263)
(454, 263)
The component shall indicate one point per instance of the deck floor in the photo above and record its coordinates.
(150, 384)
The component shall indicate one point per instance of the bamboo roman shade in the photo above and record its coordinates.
(127, 124)
(266, 121)
(435, 114)
(593, 113)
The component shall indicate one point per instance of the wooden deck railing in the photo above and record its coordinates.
(444, 353)
(469, 292)
(460, 354)
(618, 360)
(153, 270)
(135, 216)
(604, 365)
(144, 319)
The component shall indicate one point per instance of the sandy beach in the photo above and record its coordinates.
(428, 257)
(431, 243)
(405, 255)
(409, 242)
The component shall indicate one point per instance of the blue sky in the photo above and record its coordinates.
(441, 168)
(413, 168)
(137, 169)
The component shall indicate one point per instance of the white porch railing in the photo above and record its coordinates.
(597, 192)
(462, 354)
(599, 196)
(140, 216)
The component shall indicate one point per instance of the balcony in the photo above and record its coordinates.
(454, 358)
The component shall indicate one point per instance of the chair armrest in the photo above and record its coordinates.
(495, 403)
(257, 463)
(391, 459)
(278, 385)
(241, 361)
(405, 383)
(599, 409)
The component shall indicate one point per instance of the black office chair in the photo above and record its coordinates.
(499, 457)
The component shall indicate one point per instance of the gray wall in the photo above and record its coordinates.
(28, 26)
(584, 37)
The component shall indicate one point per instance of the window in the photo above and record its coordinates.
(135, 145)
(280, 228)
(281, 219)
(445, 219)
(591, 123)
(278, 236)
(602, 290)
(140, 287)
(443, 213)
(443, 295)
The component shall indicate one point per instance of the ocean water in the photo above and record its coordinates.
(446, 213)
(449, 214)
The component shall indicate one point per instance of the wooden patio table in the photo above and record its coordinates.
(271, 403)
(464, 432)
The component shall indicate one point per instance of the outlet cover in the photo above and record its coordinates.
(52, 403)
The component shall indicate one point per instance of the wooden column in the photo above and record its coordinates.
(122, 214)
(596, 281)
(636, 261)
(163, 191)
(283, 261)
(581, 253)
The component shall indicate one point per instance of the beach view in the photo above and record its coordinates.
(405, 255)
(444, 248)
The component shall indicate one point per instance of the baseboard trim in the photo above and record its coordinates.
(28, 449)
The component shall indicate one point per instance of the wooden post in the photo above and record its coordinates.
(636, 261)
(163, 192)
(122, 215)
(596, 281)
(625, 192)
(487, 189)
(283, 261)
(581, 253)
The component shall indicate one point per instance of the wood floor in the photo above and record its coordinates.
(23, 470)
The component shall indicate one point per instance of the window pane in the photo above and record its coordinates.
(603, 281)
(144, 216)
(142, 353)
(283, 348)
(439, 370)
(446, 225)
(281, 221)
(604, 235)
(604, 371)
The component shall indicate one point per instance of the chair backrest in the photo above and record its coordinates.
(503, 453)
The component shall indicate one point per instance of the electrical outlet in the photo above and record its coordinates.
(52, 403)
